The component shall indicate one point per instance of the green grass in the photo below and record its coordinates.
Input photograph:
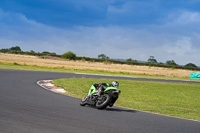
(61, 69)
(173, 99)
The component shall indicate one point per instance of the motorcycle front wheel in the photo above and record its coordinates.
(84, 101)
(103, 101)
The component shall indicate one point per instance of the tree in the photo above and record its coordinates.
(17, 48)
(171, 62)
(161, 64)
(191, 65)
(69, 55)
(32, 51)
(103, 56)
(152, 60)
(48, 53)
(129, 60)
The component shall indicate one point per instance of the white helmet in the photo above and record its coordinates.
(115, 84)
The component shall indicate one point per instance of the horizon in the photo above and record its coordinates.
(117, 59)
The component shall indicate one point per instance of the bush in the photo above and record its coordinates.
(190, 65)
(69, 55)
(17, 48)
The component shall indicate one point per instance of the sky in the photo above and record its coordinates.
(120, 29)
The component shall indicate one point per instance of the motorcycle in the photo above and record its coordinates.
(108, 98)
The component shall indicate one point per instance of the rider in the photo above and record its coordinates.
(102, 86)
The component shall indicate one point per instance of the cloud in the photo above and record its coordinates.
(180, 47)
(174, 40)
(184, 18)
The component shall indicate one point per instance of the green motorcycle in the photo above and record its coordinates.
(108, 98)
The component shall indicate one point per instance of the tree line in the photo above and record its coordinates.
(151, 61)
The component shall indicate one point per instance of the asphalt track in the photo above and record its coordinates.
(27, 107)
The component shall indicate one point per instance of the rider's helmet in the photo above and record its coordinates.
(115, 84)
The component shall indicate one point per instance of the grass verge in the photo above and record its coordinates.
(173, 99)
(88, 71)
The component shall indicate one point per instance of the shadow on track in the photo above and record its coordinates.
(115, 109)
(121, 110)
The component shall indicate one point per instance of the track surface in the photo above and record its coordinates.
(26, 107)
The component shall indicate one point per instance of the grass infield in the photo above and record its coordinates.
(173, 99)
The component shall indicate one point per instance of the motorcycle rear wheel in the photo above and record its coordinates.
(104, 102)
